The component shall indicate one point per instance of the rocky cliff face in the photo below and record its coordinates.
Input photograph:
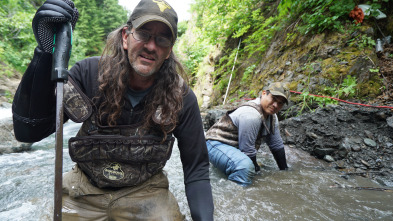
(354, 139)
(306, 63)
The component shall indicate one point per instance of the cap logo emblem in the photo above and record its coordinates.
(162, 5)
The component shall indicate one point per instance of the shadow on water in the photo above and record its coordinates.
(309, 191)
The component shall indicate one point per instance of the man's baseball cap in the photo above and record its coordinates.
(279, 89)
(154, 10)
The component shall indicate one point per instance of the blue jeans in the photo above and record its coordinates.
(231, 161)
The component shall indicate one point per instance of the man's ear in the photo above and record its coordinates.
(169, 54)
(125, 36)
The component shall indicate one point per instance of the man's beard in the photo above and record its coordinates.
(139, 69)
(142, 73)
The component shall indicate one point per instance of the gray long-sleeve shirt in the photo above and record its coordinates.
(248, 121)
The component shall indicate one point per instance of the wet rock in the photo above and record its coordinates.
(361, 69)
(390, 121)
(368, 134)
(328, 158)
(8, 143)
(365, 163)
(341, 164)
(356, 148)
(345, 132)
(322, 152)
(370, 142)
(382, 116)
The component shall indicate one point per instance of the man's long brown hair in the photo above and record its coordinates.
(114, 68)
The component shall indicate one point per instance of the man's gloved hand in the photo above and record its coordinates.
(47, 16)
(254, 161)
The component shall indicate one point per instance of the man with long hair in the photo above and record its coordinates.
(132, 101)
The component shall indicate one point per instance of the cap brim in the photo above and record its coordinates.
(277, 93)
(139, 22)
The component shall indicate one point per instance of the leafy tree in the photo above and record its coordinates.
(112, 16)
(89, 27)
(17, 42)
(97, 19)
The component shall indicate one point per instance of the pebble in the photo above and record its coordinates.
(370, 142)
(328, 158)
(390, 121)
(365, 163)
(340, 164)
(356, 148)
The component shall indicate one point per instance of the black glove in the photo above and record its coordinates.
(52, 12)
(254, 161)
(279, 156)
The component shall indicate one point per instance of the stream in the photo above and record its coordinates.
(310, 190)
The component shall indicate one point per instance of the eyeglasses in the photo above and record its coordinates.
(145, 37)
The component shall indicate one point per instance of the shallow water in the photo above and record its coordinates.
(309, 191)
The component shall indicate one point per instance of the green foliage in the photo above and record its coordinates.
(226, 64)
(97, 19)
(320, 15)
(345, 90)
(181, 28)
(362, 42)
(79, 50)
(249, 71)
(260, 39)
(9, 96)
(17, 42)
(192, 54)
(375, 6)
(306, 100)
(16, 38)
(220, 19)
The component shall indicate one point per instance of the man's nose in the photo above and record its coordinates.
(151, 44)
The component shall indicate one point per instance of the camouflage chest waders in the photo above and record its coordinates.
(118, 172)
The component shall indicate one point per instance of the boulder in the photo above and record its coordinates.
(8, 143)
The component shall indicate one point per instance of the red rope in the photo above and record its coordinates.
(366, 105)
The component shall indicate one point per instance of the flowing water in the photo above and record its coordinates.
(309, 191)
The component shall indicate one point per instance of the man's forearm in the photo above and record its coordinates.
(200, 200)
